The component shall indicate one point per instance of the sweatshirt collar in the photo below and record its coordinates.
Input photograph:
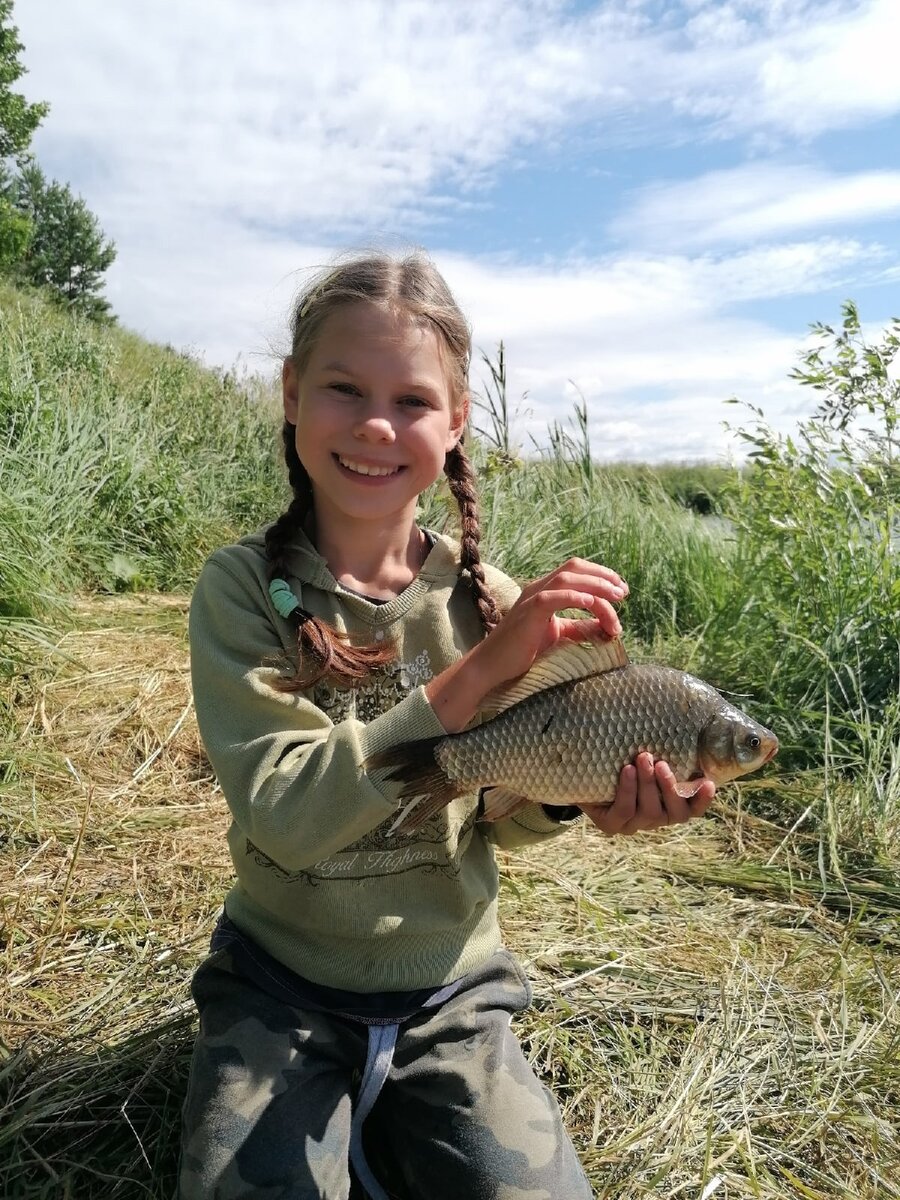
(441, 568)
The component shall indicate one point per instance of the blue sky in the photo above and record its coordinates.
(649, 201)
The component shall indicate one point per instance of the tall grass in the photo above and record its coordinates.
(121, 464)
(124, 464)
(558, 504)
(812, 619)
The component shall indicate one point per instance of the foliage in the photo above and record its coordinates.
(49, 238)
(674, 562)
(816, 593)
(66, 250)
(121, 464)
(15, 234)
(18, 118)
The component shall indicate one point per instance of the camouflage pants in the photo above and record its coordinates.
(461, 1115)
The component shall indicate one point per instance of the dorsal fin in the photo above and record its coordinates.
(565, 663)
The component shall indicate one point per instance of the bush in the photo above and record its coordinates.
(816, 596)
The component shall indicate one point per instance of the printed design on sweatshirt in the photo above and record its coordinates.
(374, 855)
(437, 847)
(384, 688)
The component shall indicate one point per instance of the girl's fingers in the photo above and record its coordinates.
(544, 605)
(672, 802)
(647, 798)
(617, 817)
(651, 813)
(579, 574)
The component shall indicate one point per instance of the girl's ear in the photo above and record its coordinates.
(458, 418)
(289, 382)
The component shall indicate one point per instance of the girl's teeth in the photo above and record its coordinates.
(360, 469)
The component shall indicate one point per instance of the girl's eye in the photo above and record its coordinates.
(415, 401)
(345, 389)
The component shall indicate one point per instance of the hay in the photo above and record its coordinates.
(715, 1020)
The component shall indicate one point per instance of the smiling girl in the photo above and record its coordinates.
(355, 1008)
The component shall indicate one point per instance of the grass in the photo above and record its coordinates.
(122, 464)
(714, 1020)
(716, 1007)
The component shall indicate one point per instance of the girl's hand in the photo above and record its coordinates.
(532, 624)
(529, 629)
(646, 798)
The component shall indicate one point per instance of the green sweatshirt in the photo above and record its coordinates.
(321, 885)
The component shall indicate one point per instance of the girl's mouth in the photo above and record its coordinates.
(367, 470)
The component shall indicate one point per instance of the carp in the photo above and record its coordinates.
(561, 733)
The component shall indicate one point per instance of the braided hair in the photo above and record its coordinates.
(410, 285)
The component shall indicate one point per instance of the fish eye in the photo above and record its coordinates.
(753, 741)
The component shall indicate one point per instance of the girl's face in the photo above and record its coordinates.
(374, 414)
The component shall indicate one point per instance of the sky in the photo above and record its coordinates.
(647, 201)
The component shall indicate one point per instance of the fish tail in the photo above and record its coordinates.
(426, 786)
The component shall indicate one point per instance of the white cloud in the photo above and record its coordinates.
(646, 340)
(224, 146)
(831, 74)
(790, 67)
(756, 201)
(367, 113)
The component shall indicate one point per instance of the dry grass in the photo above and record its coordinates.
(715, 1022)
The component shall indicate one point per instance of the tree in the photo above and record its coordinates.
(48, 235)
(67, 251)
(18, 118)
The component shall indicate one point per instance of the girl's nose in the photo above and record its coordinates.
(375, 427)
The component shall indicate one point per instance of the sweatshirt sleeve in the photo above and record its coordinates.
(292, 778)
(525, 828)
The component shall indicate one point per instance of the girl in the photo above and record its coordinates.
(356, 976)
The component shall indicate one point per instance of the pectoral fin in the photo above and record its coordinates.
(499, 802)
(688, 789)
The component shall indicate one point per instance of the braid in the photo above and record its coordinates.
(322, 650)
(277, 535)
(461, 479)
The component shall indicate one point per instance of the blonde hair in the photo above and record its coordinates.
(410, 285)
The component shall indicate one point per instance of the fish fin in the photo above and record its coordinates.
(565, 663)
(425, 785)
(688, 789)
(501, 802)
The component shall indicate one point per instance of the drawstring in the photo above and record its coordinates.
(382, 1041)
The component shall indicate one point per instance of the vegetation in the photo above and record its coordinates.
(65, 251)
(716, 1007)
(123, 464)
(48, 236)
(18, 118)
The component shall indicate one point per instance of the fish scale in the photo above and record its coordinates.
(591, 728)
(562, 733)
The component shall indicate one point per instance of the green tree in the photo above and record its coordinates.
(18, 118)
(15, 233)
(67, 251)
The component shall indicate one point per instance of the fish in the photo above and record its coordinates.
(561, 733)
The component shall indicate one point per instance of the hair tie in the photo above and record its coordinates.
(286, 603)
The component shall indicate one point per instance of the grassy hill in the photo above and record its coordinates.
(123, 463)
(716, 1007)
